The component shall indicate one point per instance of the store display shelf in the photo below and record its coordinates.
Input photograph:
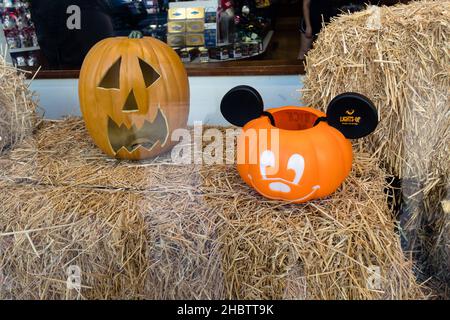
(26, 49)
(265, 45)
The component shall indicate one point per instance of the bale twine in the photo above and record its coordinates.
(17, 107)
(162, 231)
(398, 57)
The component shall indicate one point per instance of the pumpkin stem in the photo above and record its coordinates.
(136, 35)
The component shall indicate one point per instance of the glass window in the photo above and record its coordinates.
(59, 34)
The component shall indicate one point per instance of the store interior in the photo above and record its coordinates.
(212, 37)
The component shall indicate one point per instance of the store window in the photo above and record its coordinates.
(133, 179)
(58, 34)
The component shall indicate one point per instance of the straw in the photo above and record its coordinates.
(402, 64)
(17, 106)
(156, 230)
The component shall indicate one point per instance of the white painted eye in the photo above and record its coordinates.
(267, 159)
(297, 163)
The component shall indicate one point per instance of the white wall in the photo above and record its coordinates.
(59, 98)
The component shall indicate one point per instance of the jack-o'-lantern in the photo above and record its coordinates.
(134, 92)
(296, 155)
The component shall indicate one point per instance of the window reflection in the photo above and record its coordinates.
(58, 34)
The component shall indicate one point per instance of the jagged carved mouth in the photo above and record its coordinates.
(147, 136)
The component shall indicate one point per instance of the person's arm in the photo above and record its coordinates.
(307, 17)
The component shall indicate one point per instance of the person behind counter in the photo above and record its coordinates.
(64, 48)
(314, 13)
(318, 12)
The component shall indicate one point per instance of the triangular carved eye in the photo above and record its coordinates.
(111, 80)
(149, 74)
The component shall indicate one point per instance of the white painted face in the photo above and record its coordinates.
(279, 185)
(296, 162)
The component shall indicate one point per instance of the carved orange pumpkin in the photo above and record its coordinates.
(134, 92)
(307, 162)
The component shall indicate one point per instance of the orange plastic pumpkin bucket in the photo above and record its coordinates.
(304, 161)
(293, 153)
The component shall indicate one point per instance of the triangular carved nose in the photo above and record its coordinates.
(131, 103)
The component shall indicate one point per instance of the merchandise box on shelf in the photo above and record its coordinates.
(17, 34)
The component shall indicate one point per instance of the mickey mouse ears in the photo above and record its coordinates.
(353, 114)
(241, 105)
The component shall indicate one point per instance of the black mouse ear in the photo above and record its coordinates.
(353, 114)
(241, 105)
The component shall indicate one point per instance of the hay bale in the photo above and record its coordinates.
(126, 245)
(398, 56)
(157, 230)
(319, 250)
(17, 108)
